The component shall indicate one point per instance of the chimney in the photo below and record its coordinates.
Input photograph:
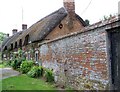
(14, 31)
(24, 27)
(7, 35)
(69, 6)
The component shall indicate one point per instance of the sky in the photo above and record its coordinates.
(14, 13)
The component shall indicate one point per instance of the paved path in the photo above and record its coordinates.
(7, 72)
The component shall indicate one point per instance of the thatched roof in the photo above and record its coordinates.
(48, 24)
(81, 20)
(8, 41)
(40, 29)
(5, 41)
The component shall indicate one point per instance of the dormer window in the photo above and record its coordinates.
(26, 40)
(11, 46)
(20, 43)
(15, 44)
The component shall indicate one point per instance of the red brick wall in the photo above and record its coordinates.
(79, 61)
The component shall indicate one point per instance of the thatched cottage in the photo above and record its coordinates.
(81, 57)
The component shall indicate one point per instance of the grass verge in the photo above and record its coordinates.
(23, 82)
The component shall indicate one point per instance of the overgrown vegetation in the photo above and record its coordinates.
(16, 63)
(26, 66)
(49, 75)
(35, 72)
(4, 64)
(29, 67)
(108, 17)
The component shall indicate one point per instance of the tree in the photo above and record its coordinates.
(2, 37)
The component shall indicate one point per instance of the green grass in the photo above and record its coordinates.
(2, 66)
(0, 85)
(23, 82)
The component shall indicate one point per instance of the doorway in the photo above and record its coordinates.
(114, 36)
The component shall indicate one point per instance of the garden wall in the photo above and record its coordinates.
(78, 61)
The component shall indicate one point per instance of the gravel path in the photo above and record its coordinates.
(7, 72)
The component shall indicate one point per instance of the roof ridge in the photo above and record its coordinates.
(62, 9)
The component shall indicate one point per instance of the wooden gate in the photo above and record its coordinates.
(114, 36)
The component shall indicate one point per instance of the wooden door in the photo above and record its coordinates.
(115, 57)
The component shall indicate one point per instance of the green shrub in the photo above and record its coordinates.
(35, 72)
(49, 75)
(7, 63)
(22, 59)
(19, 62)
(16, 63)
(26, 66)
